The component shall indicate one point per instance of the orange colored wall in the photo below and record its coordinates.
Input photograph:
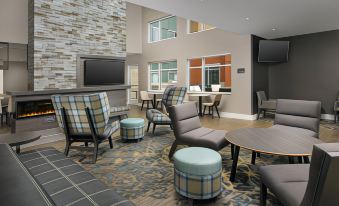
(195, 77)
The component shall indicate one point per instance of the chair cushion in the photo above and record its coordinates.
(287, 182)
(156, 116)
(205, 137)
(197, 161)
(132, 122)
(269, 104)
(295, 130)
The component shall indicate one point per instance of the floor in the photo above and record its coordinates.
(329, 132)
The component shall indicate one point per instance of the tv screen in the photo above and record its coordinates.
(104, 72)
(273, 51)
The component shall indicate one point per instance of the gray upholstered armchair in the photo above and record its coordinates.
(265, 104)
(298, 116)
(314, 184)
(336, 108)
(188, 129)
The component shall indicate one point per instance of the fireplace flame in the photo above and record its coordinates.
(33, 114)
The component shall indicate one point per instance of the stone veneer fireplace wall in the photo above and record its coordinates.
(61, 30)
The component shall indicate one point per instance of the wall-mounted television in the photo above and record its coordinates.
(104, 72)
(273, 51)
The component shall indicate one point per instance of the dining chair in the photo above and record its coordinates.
(265, 104)
(145, 98)
(211, 105)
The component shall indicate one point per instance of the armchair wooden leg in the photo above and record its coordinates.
(173, 148)
(149, 124)
(110, 142)
(259, 112)
(216, 108)
(154, 125)
(263, 194)
(142, 105)
(68, 144)
(204, 111)
(95, 151)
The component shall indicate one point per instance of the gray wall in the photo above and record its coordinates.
(260, 78)
(312, 72)
(186, 46)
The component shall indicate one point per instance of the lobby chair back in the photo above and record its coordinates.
(299, 114)
(322, 187)
(84, 118)
(261, 96)
(265, 104)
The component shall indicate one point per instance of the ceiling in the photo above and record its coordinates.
(264, 18)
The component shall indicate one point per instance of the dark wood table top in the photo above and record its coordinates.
(18, 139)
(272, 141)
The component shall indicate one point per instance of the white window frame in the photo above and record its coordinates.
(203, 70)
(159, 71)
(204, 29)
(159, 30)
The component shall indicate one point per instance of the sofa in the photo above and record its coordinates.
(47, 177)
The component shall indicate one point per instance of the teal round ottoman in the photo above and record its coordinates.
(197, 172)
(132, 128)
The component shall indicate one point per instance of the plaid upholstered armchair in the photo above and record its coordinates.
(85, 118)
(171, 96)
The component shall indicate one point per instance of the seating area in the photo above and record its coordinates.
(169, 103)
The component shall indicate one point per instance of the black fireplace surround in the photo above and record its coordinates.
(31, 109)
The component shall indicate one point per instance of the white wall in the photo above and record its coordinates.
(133, 28)
(187, 46)
(13, 25)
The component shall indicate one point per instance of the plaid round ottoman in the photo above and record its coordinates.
(197, 172)
(132, 128)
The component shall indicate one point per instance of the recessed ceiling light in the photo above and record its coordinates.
(247, 18)
(274, 29)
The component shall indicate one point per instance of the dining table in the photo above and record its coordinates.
(155, 93)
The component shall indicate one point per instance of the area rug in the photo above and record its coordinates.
(142, 172)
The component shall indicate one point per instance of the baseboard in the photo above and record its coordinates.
(238, 116)
(327, 117)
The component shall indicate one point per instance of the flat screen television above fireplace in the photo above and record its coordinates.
(104, 72)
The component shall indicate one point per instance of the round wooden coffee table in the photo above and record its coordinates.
(18, 139)
(270, 141)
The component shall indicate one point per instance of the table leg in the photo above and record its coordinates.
(306, 160)
(235, 163)
(200, 106)
(300, 160)
(17, 148)
(254, 155)
(154, 101)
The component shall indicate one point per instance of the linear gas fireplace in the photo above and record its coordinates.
(31, 109)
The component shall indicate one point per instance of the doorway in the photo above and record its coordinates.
(133, 80)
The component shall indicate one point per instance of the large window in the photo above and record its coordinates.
(194, 26)
(161, 29)
(207, 71)
(162, 74)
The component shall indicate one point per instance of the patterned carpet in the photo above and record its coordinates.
(142, 169)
